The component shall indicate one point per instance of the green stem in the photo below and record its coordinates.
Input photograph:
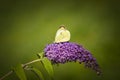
(7, 74)
(23, 65)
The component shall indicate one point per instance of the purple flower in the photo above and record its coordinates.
(68, 52)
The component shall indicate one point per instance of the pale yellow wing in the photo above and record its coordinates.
(62, 35)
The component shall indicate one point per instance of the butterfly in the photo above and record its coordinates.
(62, 35)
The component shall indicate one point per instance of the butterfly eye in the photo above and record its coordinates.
(62, 26)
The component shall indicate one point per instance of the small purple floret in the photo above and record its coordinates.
(68, 52)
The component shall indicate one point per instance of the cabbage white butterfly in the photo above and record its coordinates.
(62, 35)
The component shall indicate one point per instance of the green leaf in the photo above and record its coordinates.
(38, 73)
(20, 72)
(40, 55)
(48, 66)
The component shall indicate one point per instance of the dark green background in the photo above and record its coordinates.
(26, 26)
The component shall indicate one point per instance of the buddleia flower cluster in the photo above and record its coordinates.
(70, 52)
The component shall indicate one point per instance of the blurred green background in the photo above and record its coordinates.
(27, 26)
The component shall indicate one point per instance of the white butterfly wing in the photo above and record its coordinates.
(66, 35)
(62, 35)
